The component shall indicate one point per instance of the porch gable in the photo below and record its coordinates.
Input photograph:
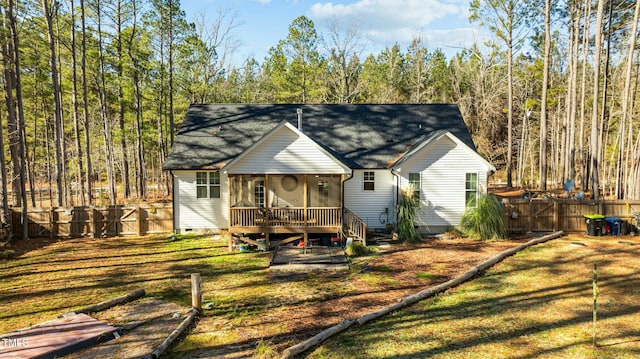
(286, 150)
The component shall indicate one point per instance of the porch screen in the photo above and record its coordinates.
(324, 191)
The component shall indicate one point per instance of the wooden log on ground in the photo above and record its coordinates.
(431, 291)
(317, 339)
(186, 323)
(137, 294)
(414, 298)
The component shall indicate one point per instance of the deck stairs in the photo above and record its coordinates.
(354, 227)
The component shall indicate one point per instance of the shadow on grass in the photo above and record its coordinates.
(437, 311)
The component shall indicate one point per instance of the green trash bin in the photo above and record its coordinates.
(594, 224)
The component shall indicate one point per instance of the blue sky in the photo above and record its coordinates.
(262, 23)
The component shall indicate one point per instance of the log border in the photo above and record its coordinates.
(411, 299)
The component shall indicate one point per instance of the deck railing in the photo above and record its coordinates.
(286, 217)
(354, 227)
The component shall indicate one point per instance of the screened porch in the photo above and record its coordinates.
(305, 203)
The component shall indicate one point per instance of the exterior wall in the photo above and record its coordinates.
(286, 152)
(371, 205)
(443, 166)
(199, 214)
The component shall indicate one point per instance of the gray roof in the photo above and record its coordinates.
(361, 136)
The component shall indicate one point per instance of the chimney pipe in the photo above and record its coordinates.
(299, 112)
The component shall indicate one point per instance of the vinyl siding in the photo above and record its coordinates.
(370, 205)
(286, 152)
(443, 165)
(199, 214)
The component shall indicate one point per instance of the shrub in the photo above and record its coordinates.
(407, 208)
(7, 254)
(356, 250)
(485, 220)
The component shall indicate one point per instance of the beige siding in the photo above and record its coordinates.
(443, 166)
(286, 152)
(199, 214)
(370, 205)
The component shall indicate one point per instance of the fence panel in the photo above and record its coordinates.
(87, 221)
(522, 215)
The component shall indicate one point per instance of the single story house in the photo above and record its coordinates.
(314, 169)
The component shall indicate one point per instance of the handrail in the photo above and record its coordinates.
(355, 226)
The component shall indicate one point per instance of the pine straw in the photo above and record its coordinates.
(536, 304)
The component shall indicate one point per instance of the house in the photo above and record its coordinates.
(321, 169)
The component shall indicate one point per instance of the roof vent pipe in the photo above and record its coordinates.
(299, 112)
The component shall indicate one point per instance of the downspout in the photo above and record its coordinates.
(342, 200)
(397, 193)
(173, 200)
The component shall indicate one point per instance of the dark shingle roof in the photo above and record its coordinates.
(362, 136)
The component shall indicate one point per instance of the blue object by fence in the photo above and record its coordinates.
(614, 224)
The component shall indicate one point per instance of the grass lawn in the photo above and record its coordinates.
(536, 304)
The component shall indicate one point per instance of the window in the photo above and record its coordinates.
(369, 181)
(471, 189)
(258, 192)
(414, 180)
(323, 192)
(207, 184)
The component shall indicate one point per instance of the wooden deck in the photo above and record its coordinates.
(311, 258)
(55, 338)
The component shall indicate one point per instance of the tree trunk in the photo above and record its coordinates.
(57, 101)
(584, 157)
(594, 140)
(74, 99)
(85, 104)
(510, 109)
(123, 143)
(543, 100)
(105, 115)
(624, 172)
(5, 219)
(141, 176)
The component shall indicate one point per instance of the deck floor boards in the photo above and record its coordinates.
(55, 338)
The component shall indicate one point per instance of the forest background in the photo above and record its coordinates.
(95, 89)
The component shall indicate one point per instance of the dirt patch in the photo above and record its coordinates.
(377, 281)
(156, 319)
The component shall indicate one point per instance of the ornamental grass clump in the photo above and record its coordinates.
(407, 209)
(485, 220)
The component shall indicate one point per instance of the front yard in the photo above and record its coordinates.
(535, 303)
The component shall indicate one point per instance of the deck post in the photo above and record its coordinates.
(196, 291)
(305, 204)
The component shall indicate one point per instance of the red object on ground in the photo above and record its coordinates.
(55, 338)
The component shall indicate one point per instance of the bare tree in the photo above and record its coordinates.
(344, 49)
(506, 19)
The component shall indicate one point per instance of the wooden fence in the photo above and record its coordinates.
(86, 221)
(523, 215)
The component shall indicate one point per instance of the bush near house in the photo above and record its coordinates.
(484, 221)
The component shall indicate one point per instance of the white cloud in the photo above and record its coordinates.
(441, 23)
(263, 1)
(388, 14)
